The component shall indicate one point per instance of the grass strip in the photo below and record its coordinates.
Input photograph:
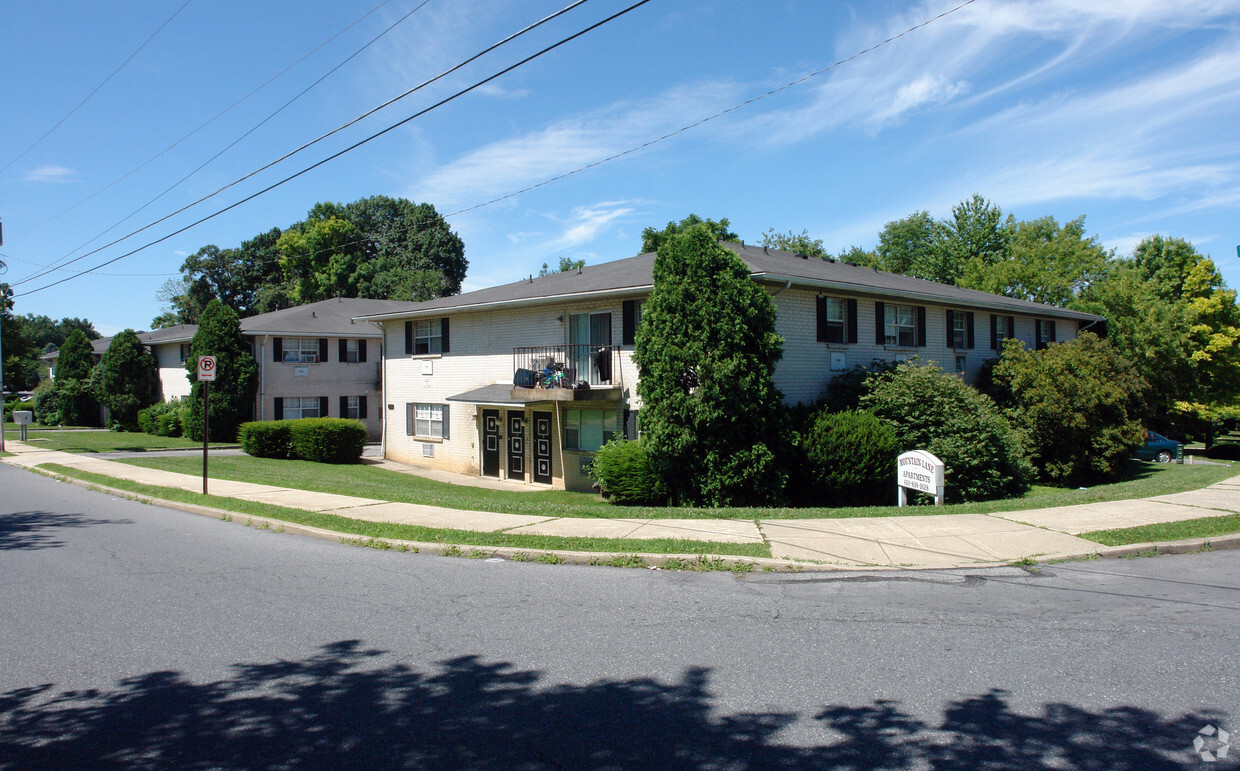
(367, 529)
(1205, 527)
(109, 441)
(369, 481)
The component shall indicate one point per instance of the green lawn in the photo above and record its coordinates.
(1205, 527)
(102, 441)
(366, 481)
(363, 529)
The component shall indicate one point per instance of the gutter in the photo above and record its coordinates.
(500, 304)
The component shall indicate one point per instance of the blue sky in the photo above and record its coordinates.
(1126, 112)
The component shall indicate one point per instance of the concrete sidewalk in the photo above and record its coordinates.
(927, 541)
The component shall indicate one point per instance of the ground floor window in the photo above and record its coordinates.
(428, 420)
(353, 408)
(590, 429)
(900, 326)
(301, 407)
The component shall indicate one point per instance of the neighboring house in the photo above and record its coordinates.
(464, 376)
(314, 360)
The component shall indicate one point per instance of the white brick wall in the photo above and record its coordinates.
(331, 378)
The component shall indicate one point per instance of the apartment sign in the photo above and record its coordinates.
(919, 470)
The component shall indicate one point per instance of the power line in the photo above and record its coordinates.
(336, 130)
(350, 148)
(96, 90)
(219, 115)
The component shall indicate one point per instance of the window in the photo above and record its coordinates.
(350, 348)
(1001, 328)
(298, 350)
(427, 337)
(630, 318)
(961, 363)
(959, 329)
(834, 319)
(900, 326)
(590, 429)
(1045, 332)
(302, 407)
(184, 352)
(352, 408)
(428, 420)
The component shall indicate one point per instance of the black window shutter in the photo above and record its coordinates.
(822, 319)
(409, 416)
(968, 327)
(278, 409)
(951, 329)
(1037, 334)
(344, 406)
(1011, 327)
(852, 320)
(323, 406)
(447, 421)
(921, 326)
(362, 343)
(880, 325)
(994, 332)
(1050, 332)
(630, 425)
(628, 322)
(277, 349)
(323, 349)
(361, 408)
(443, 332)
(343, 349)
(409, 337)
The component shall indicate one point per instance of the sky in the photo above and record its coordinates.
(832, 118)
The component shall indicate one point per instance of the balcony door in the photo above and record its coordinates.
(587, 332)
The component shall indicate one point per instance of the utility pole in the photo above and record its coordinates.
(2, 267)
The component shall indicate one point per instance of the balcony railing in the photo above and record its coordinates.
(565, 366)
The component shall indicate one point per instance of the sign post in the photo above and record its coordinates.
(206, 375)
(919, 470)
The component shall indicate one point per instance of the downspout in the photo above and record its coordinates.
(262, 380)
(383, 389)
(782, 288)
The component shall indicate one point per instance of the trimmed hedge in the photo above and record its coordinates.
(852, 458)
(266, 438)
(323, 440)
(623, 473)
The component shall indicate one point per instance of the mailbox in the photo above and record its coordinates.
(23, 417)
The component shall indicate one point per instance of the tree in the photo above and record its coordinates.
(974, 239)
(1074, 405)
(798, 243)
(940, 413)
(1046, 263)
(320, 256)
(409, 251)
(652, 239)
(20, 370)
(236, 374)
(1166, 263)
(706, 350)
(76, 358)
(128, 379)
(1214, 340)
(908, 245)
(566, 265)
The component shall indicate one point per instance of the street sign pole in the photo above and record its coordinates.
(206, 429)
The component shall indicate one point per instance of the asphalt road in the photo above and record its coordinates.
(134, 636)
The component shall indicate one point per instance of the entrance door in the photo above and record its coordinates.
(490, 443)
(542, 447)
(516, 445)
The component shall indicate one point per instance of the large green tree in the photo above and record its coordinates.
(19, 370)
(76, 359)
(706, 350)
(798, 243)
(236, 375)
(1166, 263)
(128, 379)
(1044, 262)
(720, 230)
(908, 245)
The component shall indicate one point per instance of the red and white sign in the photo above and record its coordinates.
(206, 368)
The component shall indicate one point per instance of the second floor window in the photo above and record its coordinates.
(427, 337)
(351, 355)
(900, 326)
(300, 349)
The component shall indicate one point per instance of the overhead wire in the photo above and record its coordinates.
(219, 115)
(350, 148)
(87, 98)
(354, 121)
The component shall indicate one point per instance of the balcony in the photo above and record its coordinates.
(567, 372)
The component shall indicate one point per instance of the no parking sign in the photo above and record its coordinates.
(206, 368)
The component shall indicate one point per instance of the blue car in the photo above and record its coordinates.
(1160, 448)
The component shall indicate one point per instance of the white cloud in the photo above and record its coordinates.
(925, 90)
(51, 173)
(585, 223)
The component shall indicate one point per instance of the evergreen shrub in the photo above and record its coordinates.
(623, 473)
(852, 458)
(327, 440)
(266, 438)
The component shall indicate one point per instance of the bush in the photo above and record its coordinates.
(67, 402)
(1074, 405)
(940, 413)
(161, 419)
(852, 458)
(623, 473)
(265, 438)
(845, 390)
(327, 440)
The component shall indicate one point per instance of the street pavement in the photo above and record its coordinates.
(919, 541)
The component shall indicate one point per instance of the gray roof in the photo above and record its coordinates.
(181, 333)
(496, 393)
(633, 276)
(327, 318)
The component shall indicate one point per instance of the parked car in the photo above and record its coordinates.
(1160, 448)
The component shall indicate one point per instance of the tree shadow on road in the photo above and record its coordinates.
(36, 529)
(348, 706)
